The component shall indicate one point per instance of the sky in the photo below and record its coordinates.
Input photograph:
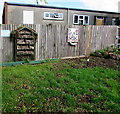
(102, 5)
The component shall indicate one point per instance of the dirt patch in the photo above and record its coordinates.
(85, 98)
(92, 62)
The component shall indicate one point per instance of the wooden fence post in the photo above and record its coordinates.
(88, 47)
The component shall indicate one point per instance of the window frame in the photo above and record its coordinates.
(52, 18)
(101, 17)
(78, 23)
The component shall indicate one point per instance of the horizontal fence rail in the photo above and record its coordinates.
(52, 40)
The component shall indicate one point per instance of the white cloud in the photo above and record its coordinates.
(105, 5)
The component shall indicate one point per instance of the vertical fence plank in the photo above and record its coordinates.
(88, 46)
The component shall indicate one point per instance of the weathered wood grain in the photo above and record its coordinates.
(52, 40)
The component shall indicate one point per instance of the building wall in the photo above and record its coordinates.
(15, 15)
(92, 16)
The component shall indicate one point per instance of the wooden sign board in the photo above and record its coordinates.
(73, 34)
(5, 33)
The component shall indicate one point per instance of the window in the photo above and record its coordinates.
(81, 19)
(28, 17)
(86, 20)
(76, 19)
(47, 15)
(115, 20)
(99, 20)
(57, 16)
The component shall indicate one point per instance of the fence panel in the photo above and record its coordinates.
(52, 40)
(102, 36)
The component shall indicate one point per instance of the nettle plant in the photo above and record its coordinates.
(114, 49)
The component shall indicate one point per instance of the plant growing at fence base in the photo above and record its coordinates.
(110, 52)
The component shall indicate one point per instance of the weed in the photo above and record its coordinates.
(109, 52)
(27, 61)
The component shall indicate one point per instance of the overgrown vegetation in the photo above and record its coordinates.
(65, 86)
(110, 52)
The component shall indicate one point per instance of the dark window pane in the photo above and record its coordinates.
(76, 19)
(81, 17)
(105, 20)
(51, 15)
(86, 20)
(47, 15)
(117, 21)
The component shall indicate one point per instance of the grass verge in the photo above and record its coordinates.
(46, 88)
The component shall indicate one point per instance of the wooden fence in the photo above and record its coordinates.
(52, 40)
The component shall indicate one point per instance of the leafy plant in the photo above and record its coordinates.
(27, 61)
(109, 52)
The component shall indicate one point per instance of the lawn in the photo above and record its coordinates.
(63, 86)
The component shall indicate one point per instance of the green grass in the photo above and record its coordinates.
(45, 87)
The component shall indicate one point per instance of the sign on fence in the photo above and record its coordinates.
(5, 33)
(73, 34)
